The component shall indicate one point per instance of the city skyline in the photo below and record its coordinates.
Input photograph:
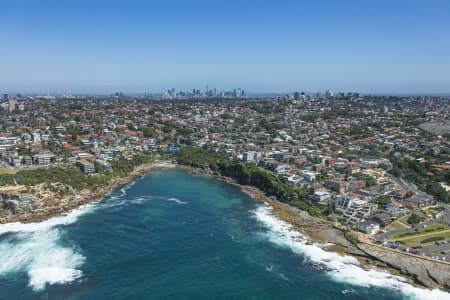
(99, 48)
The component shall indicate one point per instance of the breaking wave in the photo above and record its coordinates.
(66, 219)
(40, 255)
(122, 200)
(35, 249)
(176, 200)
(339, 268)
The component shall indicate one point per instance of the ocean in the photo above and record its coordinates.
(175, 235)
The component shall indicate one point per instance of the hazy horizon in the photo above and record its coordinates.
(101, 47)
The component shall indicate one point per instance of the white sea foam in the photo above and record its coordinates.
(121, 198)
(124, 190)
(268, 268)
(176, 200)
(35, 248)
(120, 201)
(40, 255)
(340, 268)
(66, 219)
(347, 291)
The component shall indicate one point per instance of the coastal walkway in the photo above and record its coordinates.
(365, 239)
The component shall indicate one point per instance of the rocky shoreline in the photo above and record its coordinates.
(71, 202)
(419, 272)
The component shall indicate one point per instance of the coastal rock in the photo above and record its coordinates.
(425, 272)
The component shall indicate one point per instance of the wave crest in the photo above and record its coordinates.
(340, 268)
(40, 255)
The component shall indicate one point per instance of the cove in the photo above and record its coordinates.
(174, 235)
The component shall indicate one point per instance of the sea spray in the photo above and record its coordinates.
(340, 268)
(66, 219)
(148, 244)
(35, 248)
(41, 256)
(178, 201)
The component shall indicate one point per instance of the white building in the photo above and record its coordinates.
(14, 161)
(43, 159)
(294, 179)
(309, 175)
(250, 156)
(281, 169)
(320, 197)
(369, 227)
(9, 141)
(36, 136)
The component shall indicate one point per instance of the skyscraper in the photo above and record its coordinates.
(11, 105)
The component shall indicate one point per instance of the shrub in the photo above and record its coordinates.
(432, 239)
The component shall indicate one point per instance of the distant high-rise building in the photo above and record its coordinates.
(5, 96)
(296, 96)
(11, 105)
(237, 93)
(329, 94)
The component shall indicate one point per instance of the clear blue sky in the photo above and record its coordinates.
(376, 46)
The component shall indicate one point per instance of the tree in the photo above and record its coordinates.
(246, 174)
(22, 150)
(185, 131)
(414, 219)
(148, 132)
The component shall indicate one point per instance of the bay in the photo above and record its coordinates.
(174, 235)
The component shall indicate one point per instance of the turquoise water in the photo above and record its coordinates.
(173, 235)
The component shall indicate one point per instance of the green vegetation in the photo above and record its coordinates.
(432, 239)
(69, 175)
(185, 131)
(428, 234)
(383, 200)
(414, 219)
(420, 239)
(6, 179)
(124, 166)
(72, 176)
(246, 174)
(352, 237)
(147, 131)
(396, 225)
(240, 121)
(426, 230)
(419, 174)
(433, 210)
(74, 132)
(22, 150)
